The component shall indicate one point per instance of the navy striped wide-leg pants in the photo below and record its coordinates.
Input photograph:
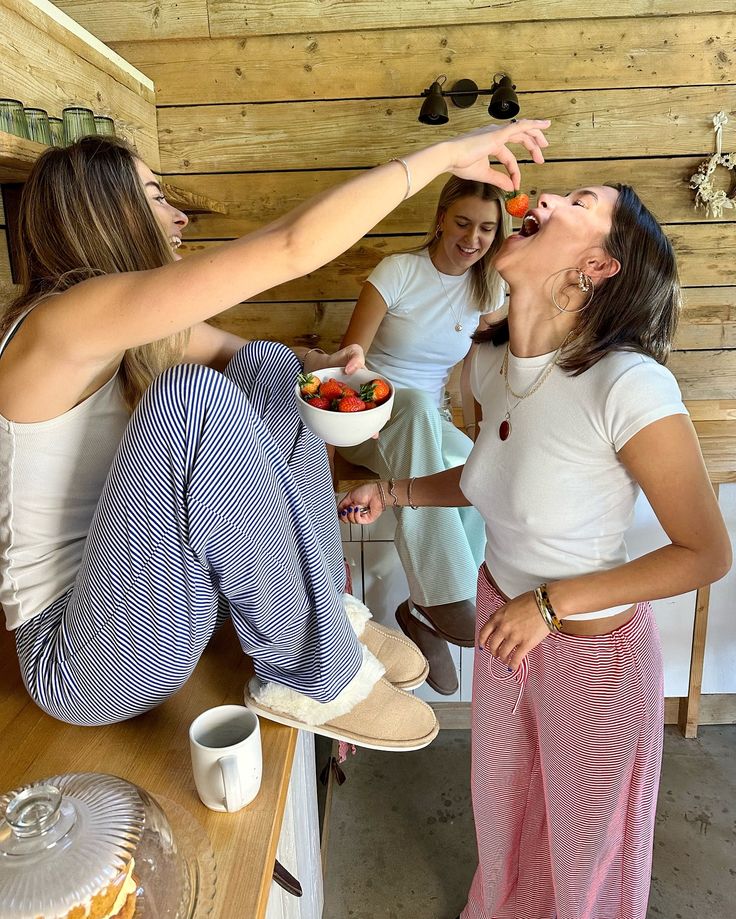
(218, 494)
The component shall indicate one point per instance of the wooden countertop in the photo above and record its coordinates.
(153, 751)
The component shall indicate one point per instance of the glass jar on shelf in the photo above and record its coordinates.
(38, 125)
(56, 128)
(105, 125)
(96, 845)
(78, 123)
(13, 118)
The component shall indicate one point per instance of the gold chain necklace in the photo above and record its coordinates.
(504, 429)
(455, 316)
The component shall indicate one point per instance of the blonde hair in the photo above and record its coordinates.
(485, 282)
(84, 213)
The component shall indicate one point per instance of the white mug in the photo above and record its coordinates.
(225, 743)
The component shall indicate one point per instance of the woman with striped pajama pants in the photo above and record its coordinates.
(143, 489)
(218, 495)
(579, 416)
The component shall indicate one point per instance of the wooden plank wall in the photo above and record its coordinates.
(262, 104)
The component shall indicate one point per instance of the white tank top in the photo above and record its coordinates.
(51, 477)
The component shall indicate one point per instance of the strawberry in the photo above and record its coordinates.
(375, 391)
(351, 404)
(308, 384)
(371, 404)
(330, 389)
(517, 203)
(319, 402)
(347, 390)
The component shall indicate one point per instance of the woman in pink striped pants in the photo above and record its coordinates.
(578, 415)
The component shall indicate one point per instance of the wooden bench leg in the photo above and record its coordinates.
(689, 714)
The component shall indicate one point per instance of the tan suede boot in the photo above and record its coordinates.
(455, 622)
(442, 675)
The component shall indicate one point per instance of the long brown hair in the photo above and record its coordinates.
(84, 213)
(636, 309)
(485, 282)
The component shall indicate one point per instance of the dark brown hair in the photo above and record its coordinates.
(84, 213)
(636, 309)
(485, 282)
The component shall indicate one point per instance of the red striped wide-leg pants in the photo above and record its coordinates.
(566, 761)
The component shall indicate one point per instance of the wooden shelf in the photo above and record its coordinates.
(17, 156)
(191, 203)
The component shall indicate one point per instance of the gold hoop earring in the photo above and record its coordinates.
(584, 283)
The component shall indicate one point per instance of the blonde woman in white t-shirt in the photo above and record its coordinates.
(414, 319)
(578, 415)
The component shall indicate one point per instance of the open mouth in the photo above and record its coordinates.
(466, 251)
(175, 242)
(529, 226)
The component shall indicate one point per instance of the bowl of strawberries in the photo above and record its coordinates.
(344, 410)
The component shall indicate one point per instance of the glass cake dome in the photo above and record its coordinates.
(89, 844)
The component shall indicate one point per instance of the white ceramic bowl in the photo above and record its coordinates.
(345, 429)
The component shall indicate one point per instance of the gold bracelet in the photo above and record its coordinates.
(408, 495)
(542, 610)
(544, 596)
(394, 496)
(381, 495)
(398, 159)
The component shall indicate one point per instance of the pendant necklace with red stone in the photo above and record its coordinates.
(504, 429)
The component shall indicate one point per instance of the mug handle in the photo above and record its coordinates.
(231, 782)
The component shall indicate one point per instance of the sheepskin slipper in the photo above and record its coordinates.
(406, 666)
(383, 718)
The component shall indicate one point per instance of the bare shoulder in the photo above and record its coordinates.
(44, 371)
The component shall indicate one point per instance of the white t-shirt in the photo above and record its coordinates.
(416, 345)
(555, 497)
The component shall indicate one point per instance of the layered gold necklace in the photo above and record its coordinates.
(504, 429)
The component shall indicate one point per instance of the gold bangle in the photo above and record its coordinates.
(394, 496)
(408, 495)
(381, 495)
(542, 610)
(544, 596)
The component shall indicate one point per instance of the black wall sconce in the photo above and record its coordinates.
(434, 107)
(463, 93)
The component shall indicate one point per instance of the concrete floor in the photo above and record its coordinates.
(400, 842)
